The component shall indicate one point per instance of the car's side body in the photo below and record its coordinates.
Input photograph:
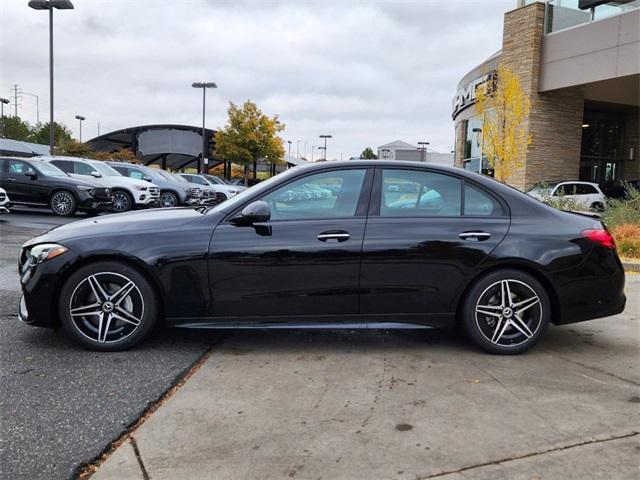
(218, 186)
(143, 194)
(362, 269)
(586, 195)
(29, 182)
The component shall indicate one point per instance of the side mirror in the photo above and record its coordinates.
(255, 212)
(31, 175)
(96, 174)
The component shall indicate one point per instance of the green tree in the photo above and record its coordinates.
(368, 154)
(40, 134)
(15, 128)
(249, 136)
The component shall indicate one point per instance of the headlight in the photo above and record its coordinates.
(45, 251)
(141, 187)
(84, 187)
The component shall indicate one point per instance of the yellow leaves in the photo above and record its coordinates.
(504, 111)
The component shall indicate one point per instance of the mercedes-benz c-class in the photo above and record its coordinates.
(357, 244)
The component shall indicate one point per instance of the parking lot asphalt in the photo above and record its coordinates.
(60, 406)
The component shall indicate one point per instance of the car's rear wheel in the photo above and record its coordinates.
(597, 207)
(168, 200)
(108, 306)
(63, 203)
(122, 201)
(506, 311)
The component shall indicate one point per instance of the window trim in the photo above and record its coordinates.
(362, 205)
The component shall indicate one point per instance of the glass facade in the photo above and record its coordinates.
(472, 140)
(602, 151)
(561, 14)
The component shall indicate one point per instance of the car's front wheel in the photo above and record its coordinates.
(168, 200)
(506, 311)
(122, 201)
(63, 203)
(108, 306)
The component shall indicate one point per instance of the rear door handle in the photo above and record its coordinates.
(11, 179)
(476, 236)
(336, 236)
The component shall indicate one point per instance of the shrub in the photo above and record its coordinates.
(627, 238)
(625, 211)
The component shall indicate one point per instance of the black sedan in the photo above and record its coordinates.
(358, 244)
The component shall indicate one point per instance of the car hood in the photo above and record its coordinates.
(130, 223)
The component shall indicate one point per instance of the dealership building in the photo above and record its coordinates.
(579, 63)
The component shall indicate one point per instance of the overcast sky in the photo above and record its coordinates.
(366, 72)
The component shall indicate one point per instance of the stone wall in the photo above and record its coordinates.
(555, 118)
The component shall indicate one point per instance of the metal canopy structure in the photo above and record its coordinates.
(168, 146)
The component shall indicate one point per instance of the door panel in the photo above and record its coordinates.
(304, 261)
(22, 188)
(425, 234)
(283, 269)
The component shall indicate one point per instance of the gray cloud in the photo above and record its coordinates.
(367, 72)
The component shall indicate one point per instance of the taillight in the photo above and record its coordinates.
(600, 236)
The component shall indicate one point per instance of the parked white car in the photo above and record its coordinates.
(227, 191)
(586, 194)
(128, 193)
(4, 201)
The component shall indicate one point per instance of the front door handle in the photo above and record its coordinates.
(334, 236)
(475, 236)
(11, 179)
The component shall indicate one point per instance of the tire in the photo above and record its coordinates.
(90, 295)
(511, 327)
(597, 207)
(168, 200)
(122, 201)
(220, 197)
(63, 203)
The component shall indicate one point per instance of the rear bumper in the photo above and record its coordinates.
(594, 289)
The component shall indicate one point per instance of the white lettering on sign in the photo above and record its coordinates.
(466, 95)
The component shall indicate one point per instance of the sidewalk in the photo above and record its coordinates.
(401, 405)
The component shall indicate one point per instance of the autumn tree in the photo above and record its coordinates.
(249, 136)
(368, 154)
(504, 107)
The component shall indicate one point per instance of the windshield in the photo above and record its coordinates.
(179, 178)
(106, 169)
(50, 170)
(214, 179)
(256, 190)
(160, 173)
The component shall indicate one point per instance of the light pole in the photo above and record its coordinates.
(423, 150)
(205, 142)
(80, 119)
(3, 102)
(325, 144)
(298, 148)
(312, 149)
(478, 132)
(50, 5)
(37, 104)
(289, 142)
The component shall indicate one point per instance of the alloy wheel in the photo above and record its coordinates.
(62, 203)
(508, 313)
(120, 202)
(168, 200)
(106, 307)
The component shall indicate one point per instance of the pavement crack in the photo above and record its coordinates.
(136, 450)
(590, 367)
(529, 455)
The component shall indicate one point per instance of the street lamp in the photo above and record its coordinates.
(423, 150)
(205, 143)
(325, 144)
(80, 119)
(289, 142)
(37, 104)
(50, 5)
(3, 102)
(478, 132)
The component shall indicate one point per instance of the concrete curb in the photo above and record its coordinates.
(631, 266)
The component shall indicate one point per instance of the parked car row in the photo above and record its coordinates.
(70, 184)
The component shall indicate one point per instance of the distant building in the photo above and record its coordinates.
(400, 150)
